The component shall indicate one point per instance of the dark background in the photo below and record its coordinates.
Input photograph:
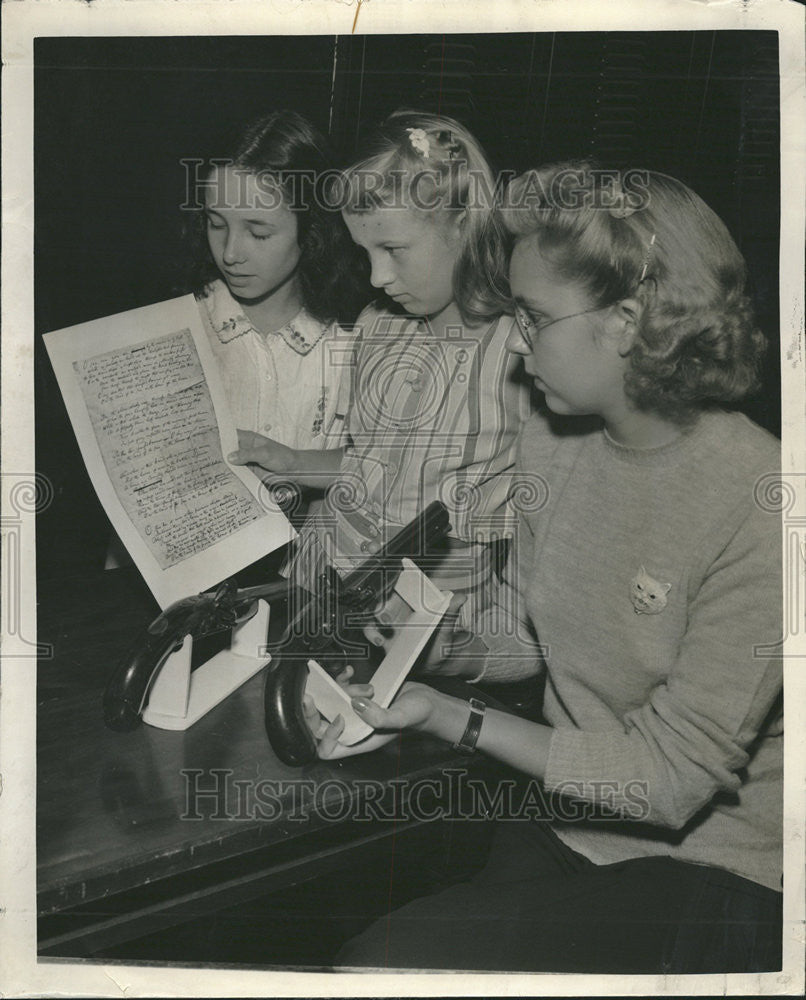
(114, 117)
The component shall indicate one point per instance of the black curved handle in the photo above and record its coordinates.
(128, 686)
(288, 734)
(321, 632)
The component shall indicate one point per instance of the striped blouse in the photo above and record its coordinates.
(431, 418)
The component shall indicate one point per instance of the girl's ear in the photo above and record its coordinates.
(627, 313)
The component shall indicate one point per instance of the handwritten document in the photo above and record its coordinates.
(144, 397)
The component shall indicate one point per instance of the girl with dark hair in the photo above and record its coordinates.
(275, 273)
(278, 275)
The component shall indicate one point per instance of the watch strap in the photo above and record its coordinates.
(467, 744)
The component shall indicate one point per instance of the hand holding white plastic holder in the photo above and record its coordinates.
(428, 604)
(178, 698)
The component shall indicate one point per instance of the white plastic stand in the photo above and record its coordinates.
(427, 605)
(179, 698)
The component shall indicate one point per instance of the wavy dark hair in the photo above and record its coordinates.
(651, 238)
(285, 151)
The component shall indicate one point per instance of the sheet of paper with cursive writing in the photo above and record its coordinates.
(153, 427)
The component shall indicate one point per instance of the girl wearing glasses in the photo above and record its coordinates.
(651, 577)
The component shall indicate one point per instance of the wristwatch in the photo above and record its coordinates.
(467, 744)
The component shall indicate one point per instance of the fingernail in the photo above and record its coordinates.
(360, 704)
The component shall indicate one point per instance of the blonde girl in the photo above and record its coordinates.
(436, 398)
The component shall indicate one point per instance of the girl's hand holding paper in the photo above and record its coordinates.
(255, 449)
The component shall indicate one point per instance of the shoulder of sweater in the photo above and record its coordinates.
(732, 447)
(726, 473)
(726, 457)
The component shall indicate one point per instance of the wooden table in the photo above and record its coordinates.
(123, 845)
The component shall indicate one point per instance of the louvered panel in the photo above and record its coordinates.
(619, 97)
(448, 79)
(759, 139)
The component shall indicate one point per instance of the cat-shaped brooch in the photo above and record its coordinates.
(647, 594)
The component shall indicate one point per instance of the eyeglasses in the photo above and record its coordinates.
(528, 327)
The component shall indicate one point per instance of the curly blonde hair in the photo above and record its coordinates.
(646, 235)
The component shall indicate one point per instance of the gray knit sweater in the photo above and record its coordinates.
(663, 705)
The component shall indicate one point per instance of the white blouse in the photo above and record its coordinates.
(292, 385)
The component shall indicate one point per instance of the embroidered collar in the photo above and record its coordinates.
(228, 320)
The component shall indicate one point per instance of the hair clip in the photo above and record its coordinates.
(449, 144)
(647, 258)
(420, 141)
(621, 208)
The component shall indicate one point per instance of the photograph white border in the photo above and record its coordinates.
(21, 974)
